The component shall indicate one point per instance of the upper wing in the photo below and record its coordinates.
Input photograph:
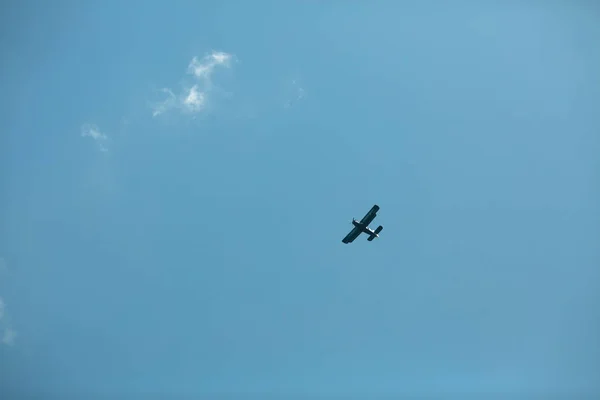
(370, 215)
(352, 235)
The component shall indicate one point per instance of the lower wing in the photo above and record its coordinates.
(352, 235)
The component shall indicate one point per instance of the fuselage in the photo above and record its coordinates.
(364, 228)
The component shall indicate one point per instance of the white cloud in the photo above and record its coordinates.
(195, 97)
(90, 130)
(203, 69)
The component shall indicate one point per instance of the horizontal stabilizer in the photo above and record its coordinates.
(375, 233)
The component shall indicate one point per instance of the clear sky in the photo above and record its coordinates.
(176, 178)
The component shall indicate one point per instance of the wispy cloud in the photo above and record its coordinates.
(204, 68)
(194, 97)
(8, 334)
(165, 105)
(92, 131)
(297, 93)
(194, 101)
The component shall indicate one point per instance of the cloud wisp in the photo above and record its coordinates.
(194, 97)
(203, 69)
(92, 131)
(297, 93)
(8, 334)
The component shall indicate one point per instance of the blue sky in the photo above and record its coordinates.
(177, 177)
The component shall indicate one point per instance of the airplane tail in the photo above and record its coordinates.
(375, 234)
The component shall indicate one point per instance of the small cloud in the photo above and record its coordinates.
(194, 101)
(204, 69)
(195, 98)
(90, 130)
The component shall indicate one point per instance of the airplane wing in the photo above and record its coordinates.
(352, 235)
(370, 215)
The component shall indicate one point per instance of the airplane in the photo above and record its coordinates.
(363, 226)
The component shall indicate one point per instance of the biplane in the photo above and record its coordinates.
(362, 226)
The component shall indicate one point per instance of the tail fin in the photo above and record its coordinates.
(374, 235)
